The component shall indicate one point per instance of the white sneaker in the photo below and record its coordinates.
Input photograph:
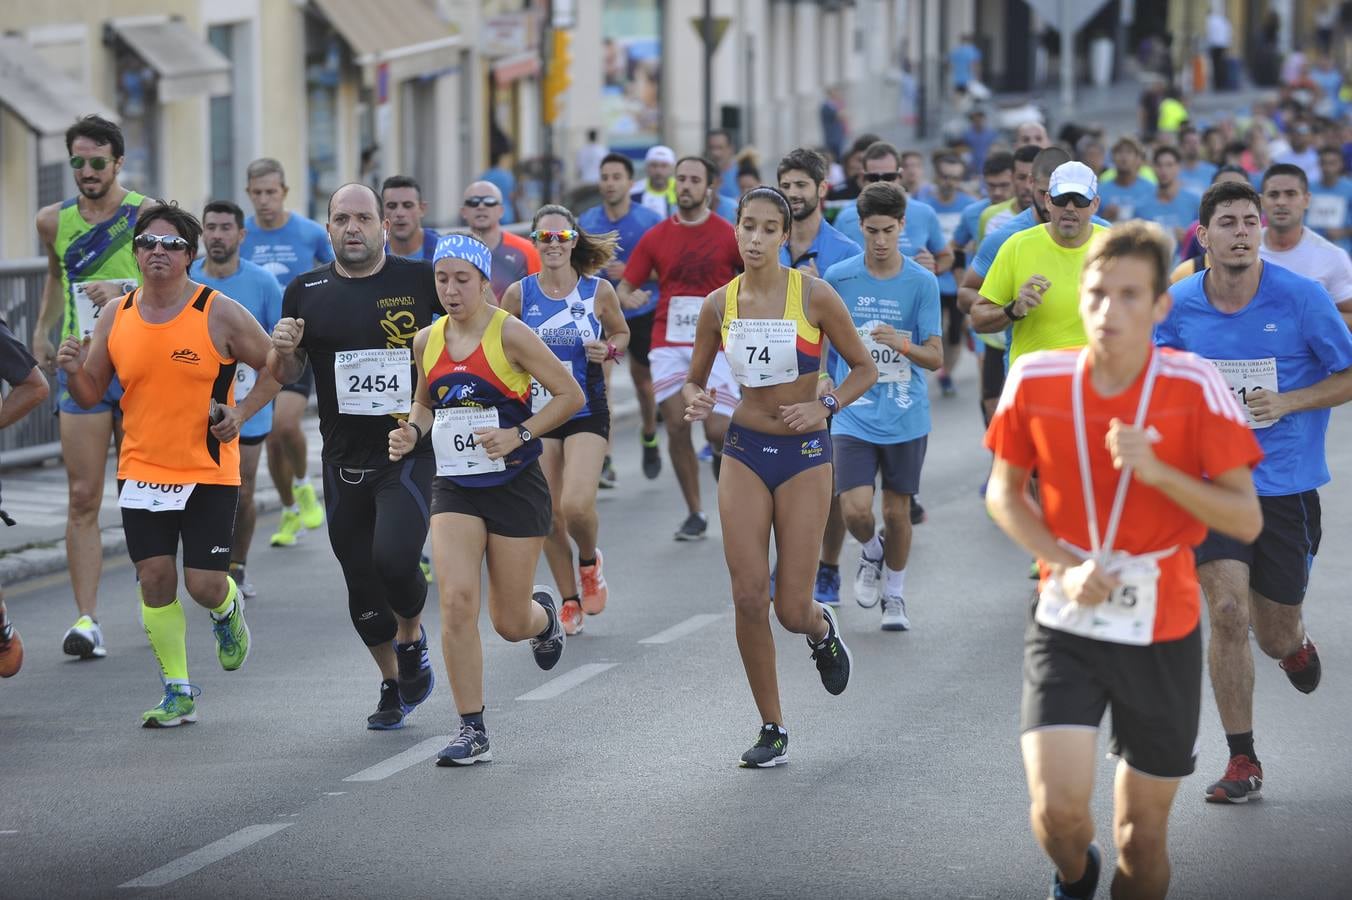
(85, 640)
(868, 580)
(894, 614)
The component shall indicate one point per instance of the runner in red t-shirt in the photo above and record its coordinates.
(694, 254)
(1138, 451)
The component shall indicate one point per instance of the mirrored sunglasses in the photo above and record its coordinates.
(476, 202)
(554, 237)
(170, 242)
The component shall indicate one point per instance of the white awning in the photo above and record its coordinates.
(406, 34)
(45, 98)
(186, 64)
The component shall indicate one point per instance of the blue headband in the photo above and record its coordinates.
(472, 251)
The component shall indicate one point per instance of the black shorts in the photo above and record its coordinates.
(304, 384)
(1155, 692)
(1279, 561)
(206, 525)
(596, 423)
(641, 337)
(955, 332)
(992, 373)
(253, 441)
(520, 508)
(859, 462)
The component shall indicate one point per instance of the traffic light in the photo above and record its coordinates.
(558, 74)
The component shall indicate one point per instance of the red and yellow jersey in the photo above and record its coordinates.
(809, 343)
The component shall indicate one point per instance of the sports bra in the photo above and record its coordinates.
(765, 352)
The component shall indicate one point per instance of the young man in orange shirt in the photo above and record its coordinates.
(1137, 451)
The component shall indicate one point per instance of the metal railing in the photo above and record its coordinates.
(37, 436)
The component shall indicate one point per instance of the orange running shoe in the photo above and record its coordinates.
(594, 590)
(571, 616)
(11, 651)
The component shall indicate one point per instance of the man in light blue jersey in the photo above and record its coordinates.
(1173, 207)
(254, 288)
(1277, 339)
(949, 203)
(1330, 210)
(921, 238)
(894, 302)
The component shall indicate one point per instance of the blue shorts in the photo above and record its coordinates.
(775, 458)
(858, 464)
(111, 402)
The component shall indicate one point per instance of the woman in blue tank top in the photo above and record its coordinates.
(578, 316)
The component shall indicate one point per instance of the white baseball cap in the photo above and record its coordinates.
(662, 154)
(1074, 178)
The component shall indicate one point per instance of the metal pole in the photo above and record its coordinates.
(1067, 61)
(546, 127)
(921, 69)
(707, 31)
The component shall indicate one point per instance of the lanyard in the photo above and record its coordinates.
(1101, 549)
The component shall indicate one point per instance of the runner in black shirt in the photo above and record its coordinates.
(354, 320)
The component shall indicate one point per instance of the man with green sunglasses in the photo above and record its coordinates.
(89, 263)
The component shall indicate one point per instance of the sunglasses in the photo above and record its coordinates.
(170, 242)
(554, 237)
(1080, 201)
(875, 177)
(97, 163)
(476, 202)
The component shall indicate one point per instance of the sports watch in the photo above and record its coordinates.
(524, 433)
(830, 402)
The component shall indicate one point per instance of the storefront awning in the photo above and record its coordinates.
(186, 64)
(406, 34)
(41, 95)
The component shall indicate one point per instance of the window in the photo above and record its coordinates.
(138, 108)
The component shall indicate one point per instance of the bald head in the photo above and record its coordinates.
(1031, 134)
(483, 189)
(354, 197)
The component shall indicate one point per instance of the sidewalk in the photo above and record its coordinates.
(35, 496)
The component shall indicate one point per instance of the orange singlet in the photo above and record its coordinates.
(171, 372)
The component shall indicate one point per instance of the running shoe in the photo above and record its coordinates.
(827, 588)
(1034, 573)
(11, 651)
(652, 457)
(415, 672)
(232, 637)
(571, 613)
(894, 614)
(1242, 782)
(832, 656)
(311, 510)
(771, 749)
(707, 453)
(548, 649)
(177, 707)
(1302, 668)
(693, 528)
(868, 581)
(246, 588)
(608, 479)
(1091, 872)
(390, 711)
(85, 640)
(918, 516)
(288, 532)
(470, 746)
(594, 590)
(946, 385)
(425, 563)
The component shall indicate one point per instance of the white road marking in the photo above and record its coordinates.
(9, 832)
(401, 761)
(681, 629)
(200, 859)
(567, 681)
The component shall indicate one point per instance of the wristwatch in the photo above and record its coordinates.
(830, 402)
(524, 433)
(1009, 313)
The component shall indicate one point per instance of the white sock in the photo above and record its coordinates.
(874, 548)
(894, 582)
(293, 508)
(300, 482)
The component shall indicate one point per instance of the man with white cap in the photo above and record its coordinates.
(1034, 281)
(658, 191)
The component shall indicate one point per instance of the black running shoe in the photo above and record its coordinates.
(1091, 874)
(549, 648)
(771, 749)
(390, 712)
(415, 672)
(652, 457)
(693, 528)
(832, 656)
(1302, 668)
(917, 512)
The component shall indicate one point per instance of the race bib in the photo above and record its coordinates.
(1244, 376)
(1326, 211)
(539, 396)
(86, 309)
(1125, 211)
(373, 382)
(762, 352)
(1126, 617)
(457, 446)
(245, 379)
(682, 317)
(154, 497)
(893, 366)
(948, 223)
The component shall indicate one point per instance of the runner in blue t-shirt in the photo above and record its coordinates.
(254, 288)
(631, 220)
(1283, 349)
(894, 302)
(1330, 209)
(949, 204)
(1172, 207)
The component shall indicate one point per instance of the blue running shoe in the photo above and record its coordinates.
(548, 645)
(1091, 874)
(467, 748)
(827, 589)
(415, 672)
(707, 453)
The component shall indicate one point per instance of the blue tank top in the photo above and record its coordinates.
(565, 325)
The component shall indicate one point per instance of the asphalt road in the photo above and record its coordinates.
(614, 775)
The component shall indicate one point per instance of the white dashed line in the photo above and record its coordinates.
(401, 761)
(567, 681)
(681, 629)
(200, 859)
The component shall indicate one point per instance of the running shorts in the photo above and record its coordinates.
(303, 385)
(671, 368)
(596, 423)
(206, 525)
(1279, 561)
(859, 462)
(520, 508)
(641, 337)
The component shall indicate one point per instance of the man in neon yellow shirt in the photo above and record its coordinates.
(1034, 281)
